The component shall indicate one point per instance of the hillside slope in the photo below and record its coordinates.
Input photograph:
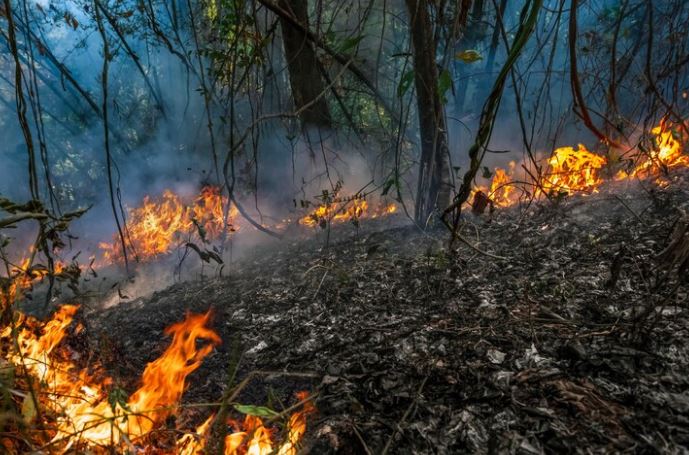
(570, 334)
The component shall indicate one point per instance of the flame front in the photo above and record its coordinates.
(81, 403)
(159, 225)
(570, 170)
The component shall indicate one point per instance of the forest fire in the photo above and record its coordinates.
(159, 225)
(87, 413)
(571, 170)
(341, 212)
(26, 273)
(251, 436)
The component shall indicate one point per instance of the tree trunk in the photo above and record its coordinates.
(302, 64)
(433, 190)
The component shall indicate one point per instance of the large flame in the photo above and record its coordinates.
(85, 413)
(570, 170)
(81, 404)
(159, 225)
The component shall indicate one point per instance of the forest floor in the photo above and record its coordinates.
(571, 335)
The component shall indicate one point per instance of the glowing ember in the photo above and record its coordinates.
(159, 225)
(341, 212)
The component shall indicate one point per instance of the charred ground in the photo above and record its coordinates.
(571, 335)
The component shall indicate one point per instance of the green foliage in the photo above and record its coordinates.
(405, 83)
(349, 44)
(444, 84)
(118, 398)
(256, 411)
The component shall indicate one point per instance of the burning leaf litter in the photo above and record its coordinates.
(162, 224)
(571, 171)
(84, 412)
(159, 225)
(480, 351)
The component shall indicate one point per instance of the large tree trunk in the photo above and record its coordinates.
(303, 66)
(433, 190)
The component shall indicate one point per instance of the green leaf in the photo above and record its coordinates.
(118, 397)
(405, 83)
(350, 43)
(257, 411)
(386, 188)
(469, 56)
(444, 84)
(487, 173)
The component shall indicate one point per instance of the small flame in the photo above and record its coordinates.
(343, 211)
(25, 274)
(666, 154)
(502, 191)
(252, 436)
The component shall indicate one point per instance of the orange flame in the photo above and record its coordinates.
(84, 414)
(86, 417)
(666, 153)
(340, 212)
(252, 437)
(159, 225)
(570, 170)
(502, 191)
(26, 274)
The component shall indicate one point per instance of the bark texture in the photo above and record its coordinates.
(433, 189)
(303, 66)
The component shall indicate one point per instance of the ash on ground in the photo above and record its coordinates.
(566, 332)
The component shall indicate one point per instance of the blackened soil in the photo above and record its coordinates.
(567, 332)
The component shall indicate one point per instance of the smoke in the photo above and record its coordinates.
(279, 167)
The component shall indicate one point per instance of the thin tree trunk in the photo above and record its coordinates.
(433, 190)
(467, 72)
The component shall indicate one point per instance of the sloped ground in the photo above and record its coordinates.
(575, 339)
